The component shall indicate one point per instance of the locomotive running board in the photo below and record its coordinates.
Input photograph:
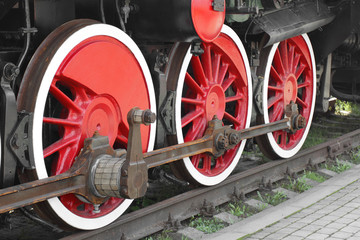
(84, 177)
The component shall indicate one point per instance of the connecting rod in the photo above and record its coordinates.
(100, 172)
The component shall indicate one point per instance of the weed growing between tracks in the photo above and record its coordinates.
(206, 225)
(338, 167)
(272, 198)
(314, 176)
(355, 156)
(297, 185)
(240, 209)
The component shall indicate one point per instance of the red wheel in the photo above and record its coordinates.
(216, 83)
(289, 75)
(84, 77)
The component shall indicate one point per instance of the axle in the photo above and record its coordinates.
(100, 172)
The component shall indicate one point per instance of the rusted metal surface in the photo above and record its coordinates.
(39, 191)
(153, 218)
(134, 176)
(75, 180)
(134, 172)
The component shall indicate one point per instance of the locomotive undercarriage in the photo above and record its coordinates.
(85, 77)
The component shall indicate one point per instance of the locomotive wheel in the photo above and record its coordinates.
(83, 78)
(289, 75)
(216, 83)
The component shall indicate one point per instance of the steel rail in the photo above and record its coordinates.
(154, 218)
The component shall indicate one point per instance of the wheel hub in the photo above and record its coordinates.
(290, 90)
(102, 115)
(215, 102)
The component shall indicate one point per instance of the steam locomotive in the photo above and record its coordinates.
(72, 72)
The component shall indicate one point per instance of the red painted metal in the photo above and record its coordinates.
(207, 22)
(96, 92)
(291, 79)
(215, 84)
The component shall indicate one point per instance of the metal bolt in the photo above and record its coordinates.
(221, 142)
(15, 141)
(11, 71)
(148, 117)
(96, 208)
(124, 172)
(124, 192)
(234, 138)
(300, 122)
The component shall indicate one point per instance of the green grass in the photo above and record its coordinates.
(339, 167)
(314, 176)
(297, 185)
(239, 209)
(352, 108)
(355, 156)
(315, 137)
(206, 225)
(273, 199)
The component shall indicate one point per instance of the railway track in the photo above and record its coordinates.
(170, 212)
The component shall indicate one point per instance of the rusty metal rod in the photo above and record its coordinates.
(205, 144)
(188, 149)
(39, 190)
(74, 180)
(265, 128)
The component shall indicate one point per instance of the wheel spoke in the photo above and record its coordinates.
(283, 138)
(237, 97)
(276, 135)
(227, 83)
(61, 122)
(275, 88)
(296, 62)
(301, 102)
(216, 67)
(231, 118)
(192, 101)
(291, 58)
(222, 74)
(220, 162)
(195, 131)
(299, 71)
(63, 99)
(60, 144)
(284, 55)
(206, 162)
(198, 71)
(81, 93)
(304, 85)
(277, 113)
(278, 64)
(193, 85)
(195, 160)
(191, 116)
(206, 62)
(275, 75)
(274, 100)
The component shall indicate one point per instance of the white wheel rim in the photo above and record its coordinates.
(77, 37)
(199, 177)
(277, 149)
